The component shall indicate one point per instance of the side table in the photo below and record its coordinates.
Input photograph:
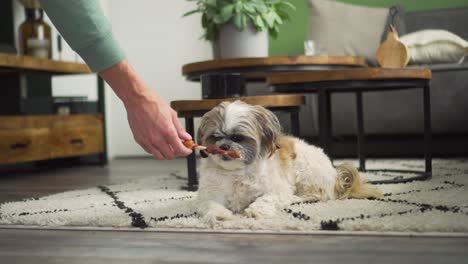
(359, 81)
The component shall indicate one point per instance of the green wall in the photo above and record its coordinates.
(294, 32)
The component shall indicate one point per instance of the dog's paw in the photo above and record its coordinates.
(218, 214)
(253, 212)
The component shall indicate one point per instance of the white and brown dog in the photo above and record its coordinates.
(274, 170)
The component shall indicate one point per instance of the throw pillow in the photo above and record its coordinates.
(345, 29)
(435, 46)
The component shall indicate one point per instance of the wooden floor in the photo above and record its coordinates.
(56, 246)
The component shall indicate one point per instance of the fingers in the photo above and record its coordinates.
(166, 150)
(180, 131)
(147, 149)
(151, 150)
(162, 147)
(157, 155)
(174, 141)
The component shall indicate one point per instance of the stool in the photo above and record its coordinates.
(358, 81)
(189, 109)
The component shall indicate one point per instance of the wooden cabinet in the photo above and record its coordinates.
(46, 137)
(26, 136)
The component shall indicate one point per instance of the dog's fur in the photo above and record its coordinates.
(273, 170)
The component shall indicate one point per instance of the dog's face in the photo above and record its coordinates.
(252, 130)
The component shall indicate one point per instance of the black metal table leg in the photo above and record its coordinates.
(191, 159)
(295, 129)
(324, 115)
(427, 130)
(360, 132)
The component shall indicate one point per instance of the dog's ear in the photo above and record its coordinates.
(269, 129)
(210, 121)
(200, 130)
(200, 138)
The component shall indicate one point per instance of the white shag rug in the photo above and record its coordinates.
(437, 205)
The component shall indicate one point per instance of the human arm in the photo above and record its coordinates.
(87, 31)
(153, 122)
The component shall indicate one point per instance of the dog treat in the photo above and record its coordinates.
(235, 154)
(191, 145)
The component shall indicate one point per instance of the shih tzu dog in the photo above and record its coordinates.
(274, 169)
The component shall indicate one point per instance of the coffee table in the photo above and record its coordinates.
(257, 69)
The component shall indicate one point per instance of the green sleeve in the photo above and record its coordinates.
(85, 28)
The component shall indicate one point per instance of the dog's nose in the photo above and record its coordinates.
(225, 147)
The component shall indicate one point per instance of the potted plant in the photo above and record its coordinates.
(240, 28)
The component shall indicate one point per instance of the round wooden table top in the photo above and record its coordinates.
(259, 68)
(348, 74)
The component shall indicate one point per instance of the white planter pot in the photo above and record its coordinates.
(234, 44)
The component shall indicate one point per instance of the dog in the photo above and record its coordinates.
(274, 169)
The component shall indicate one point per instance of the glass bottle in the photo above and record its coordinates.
(34, 33)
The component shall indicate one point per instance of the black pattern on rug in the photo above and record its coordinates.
(137, 218)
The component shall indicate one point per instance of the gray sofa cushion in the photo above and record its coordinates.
(345, 29)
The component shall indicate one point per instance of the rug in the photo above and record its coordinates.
(437, 205)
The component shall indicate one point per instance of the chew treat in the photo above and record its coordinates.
(191, 145)
(235, 154)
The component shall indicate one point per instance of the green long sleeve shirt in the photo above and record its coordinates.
(85, 28)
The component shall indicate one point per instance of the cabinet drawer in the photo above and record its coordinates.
(68, 141)
(20, 145)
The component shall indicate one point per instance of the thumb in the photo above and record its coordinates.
(180, 131)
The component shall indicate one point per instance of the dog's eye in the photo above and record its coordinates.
(237, 138)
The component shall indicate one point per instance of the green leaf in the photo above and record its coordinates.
(273, 33)
(277, 18)
(284, 15)
(191, 12)
(249, 7)
(226, 13)
(239, 6)
(211, 32)
(276, 29)
(269, 19)
(261, 7)
(240, 21)
(227, 10)
(259, 22)
(287, 5)
(218, 19)
(210, 3)
(210, 13)
(204, 21)
(244, 21)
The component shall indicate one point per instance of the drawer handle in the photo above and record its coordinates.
(77, 142)
(21, 144)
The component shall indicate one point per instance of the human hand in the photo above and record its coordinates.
(153, 122)
(156, 128)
